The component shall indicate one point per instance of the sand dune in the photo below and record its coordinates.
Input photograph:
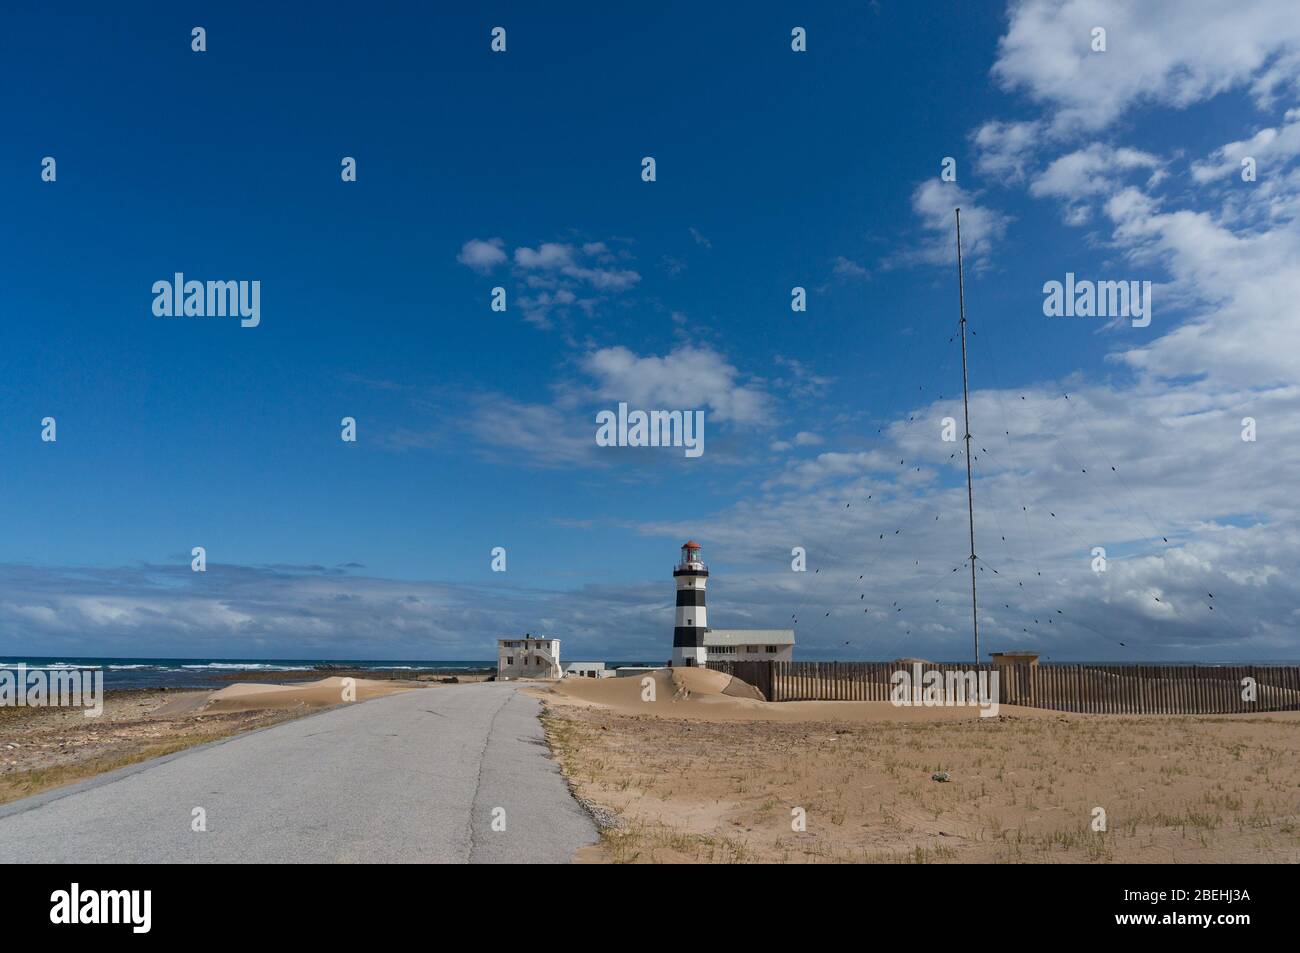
(707, 695)
(247, 696)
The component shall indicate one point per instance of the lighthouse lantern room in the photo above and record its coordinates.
(691, 576)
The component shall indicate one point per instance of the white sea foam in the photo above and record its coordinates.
(49, 666)
(250, 666)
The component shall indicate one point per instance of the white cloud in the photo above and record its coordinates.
(1097, 170)
(604, 279)
(548, 255)
(686, 378)
(1167, 52)
(482, 255)
(307, 611)
(831, 465)
(537, 308)
(799, 380)
(1246, 330)
(557, 276)
(1270, 146)
(845, 268)
(887, 537)
(982, 228)
(1003, 150)
(533, 435)
(1089, 171)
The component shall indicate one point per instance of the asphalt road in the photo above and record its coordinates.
(427, 776)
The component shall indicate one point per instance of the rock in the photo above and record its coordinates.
(940, 776)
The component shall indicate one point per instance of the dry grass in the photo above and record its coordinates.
(46, 748)
(1174, 789)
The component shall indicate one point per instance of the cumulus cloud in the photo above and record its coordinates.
(1187, 512)
(562, 259)
(1089, 171)
(306, 612)
(688, 377)
(537, 308)
(482, 255)
(1004, 150)
(982, 228)
(885, 531)
(548, 255)
(1244, 331)
(604, 279)
(1080, 176)
(556, 277)
(1163, 52)
(1275, 146)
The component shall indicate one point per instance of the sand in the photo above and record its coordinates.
(704, 695)
(699, 775)
(250, 696)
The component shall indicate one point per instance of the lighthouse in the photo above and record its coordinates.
(688, 631)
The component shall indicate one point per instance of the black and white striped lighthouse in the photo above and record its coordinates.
(688, 632)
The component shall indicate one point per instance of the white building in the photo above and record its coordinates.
(749, 645)
(587, 670)
(529, 657)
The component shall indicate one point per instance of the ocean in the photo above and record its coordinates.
(124, 673)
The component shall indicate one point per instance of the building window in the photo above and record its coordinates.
(772, 650)
(510, 660)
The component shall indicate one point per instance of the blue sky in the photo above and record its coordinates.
(522, 169)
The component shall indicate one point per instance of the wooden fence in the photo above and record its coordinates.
(1100, 689)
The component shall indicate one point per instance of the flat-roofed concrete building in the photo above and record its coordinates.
(587, 670)
(749, 645)
(533, 656)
